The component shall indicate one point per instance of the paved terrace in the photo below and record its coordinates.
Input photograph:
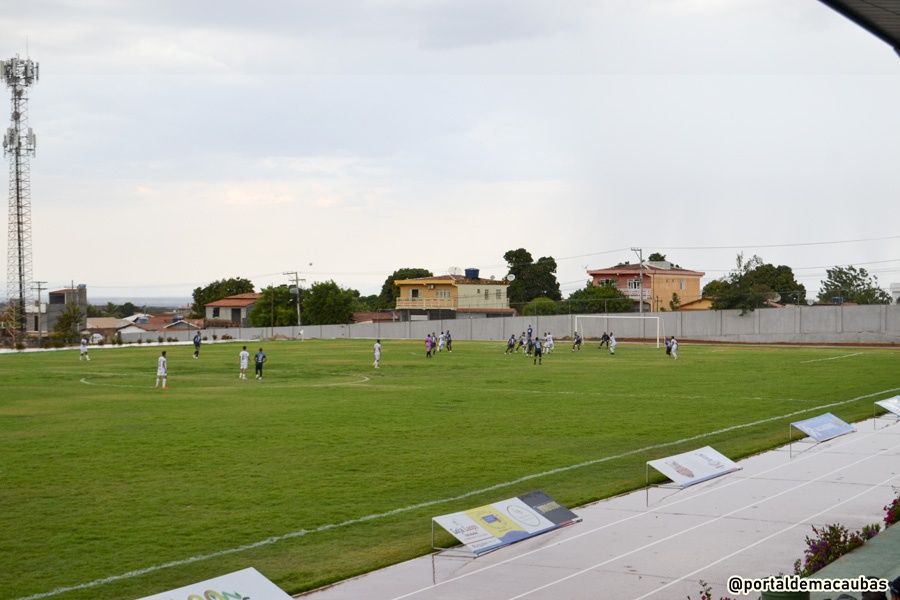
(750, 523)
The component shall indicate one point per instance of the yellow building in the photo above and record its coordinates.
(658, 280)
(446, 296)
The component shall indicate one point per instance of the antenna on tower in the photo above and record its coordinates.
(19, 143)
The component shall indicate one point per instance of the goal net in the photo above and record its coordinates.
(624, 326)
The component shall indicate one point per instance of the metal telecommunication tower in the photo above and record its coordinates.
(19, 145)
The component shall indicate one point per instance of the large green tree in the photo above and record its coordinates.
(752, 284)
(598, 299)
(852, 285)
(327, 303)
(217, 290)
(390, 290)
(277, 307)
(531, 279)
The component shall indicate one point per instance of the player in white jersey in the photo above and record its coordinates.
(548, 343)
(441, 341)
(245, 362)
(84, 349)
(377, 349)
(162, 370)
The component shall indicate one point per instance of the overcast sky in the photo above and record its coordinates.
(184, 142)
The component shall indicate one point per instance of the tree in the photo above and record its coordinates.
(852, 285)
(532, 279)
(276, 307)
(67, 328)
(540, 306)
(216, 291)
(752, 284)
(327, 303)
(657, 257)
(390, 290)
(598, 299)
(675, 302)
(127, 309)
(365, 303)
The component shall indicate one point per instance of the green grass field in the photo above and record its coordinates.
(329, 468)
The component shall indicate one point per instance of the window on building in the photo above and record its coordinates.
(413, 293)
(499, 294)
(443, 293)
(634, 284)
(487, 294)
(215, 312)
(682, 284)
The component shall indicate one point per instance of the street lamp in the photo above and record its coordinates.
(640, 253)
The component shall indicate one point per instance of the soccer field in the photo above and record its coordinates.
(329, 468)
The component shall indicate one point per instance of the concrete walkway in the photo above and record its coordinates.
(751, 523)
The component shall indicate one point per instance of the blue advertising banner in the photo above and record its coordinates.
(502, 523)
(824, 427)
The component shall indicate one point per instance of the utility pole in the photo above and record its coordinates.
(297, 281)
(640, 253)
(40, 326)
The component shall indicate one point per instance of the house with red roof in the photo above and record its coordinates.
(234, 309)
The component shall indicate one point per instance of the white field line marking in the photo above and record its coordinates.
(832, 358)
(649, 511)
(396, 511)
(362, 379)
(719, 518)
(772, 535)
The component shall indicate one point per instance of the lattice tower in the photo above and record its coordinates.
(19, 145)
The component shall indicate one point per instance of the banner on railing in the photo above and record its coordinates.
(891, 405)
(240, 585)
(693, 467)
(824, 427)
(499, 524)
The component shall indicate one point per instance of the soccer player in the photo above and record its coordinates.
(612, 343)
(511, 344)
(428, 346)
(668, 345)
(245, 362)
(197, 345)
(84, 349)
(674, 344)
(449, 342)
(521, 341)
(441, 341)
(377, 352)
(548, 343)
(577, 344)
(604, 339)
(260, 361)
(162, 370)
(538, 360)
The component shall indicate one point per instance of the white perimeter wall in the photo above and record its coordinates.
(878, 324)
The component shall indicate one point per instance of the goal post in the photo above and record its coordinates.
(593, 326)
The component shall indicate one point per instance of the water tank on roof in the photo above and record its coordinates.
(471, 273)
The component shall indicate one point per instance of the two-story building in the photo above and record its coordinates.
(452, 297)
(656, 280)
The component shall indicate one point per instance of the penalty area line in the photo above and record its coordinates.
(397, 511)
